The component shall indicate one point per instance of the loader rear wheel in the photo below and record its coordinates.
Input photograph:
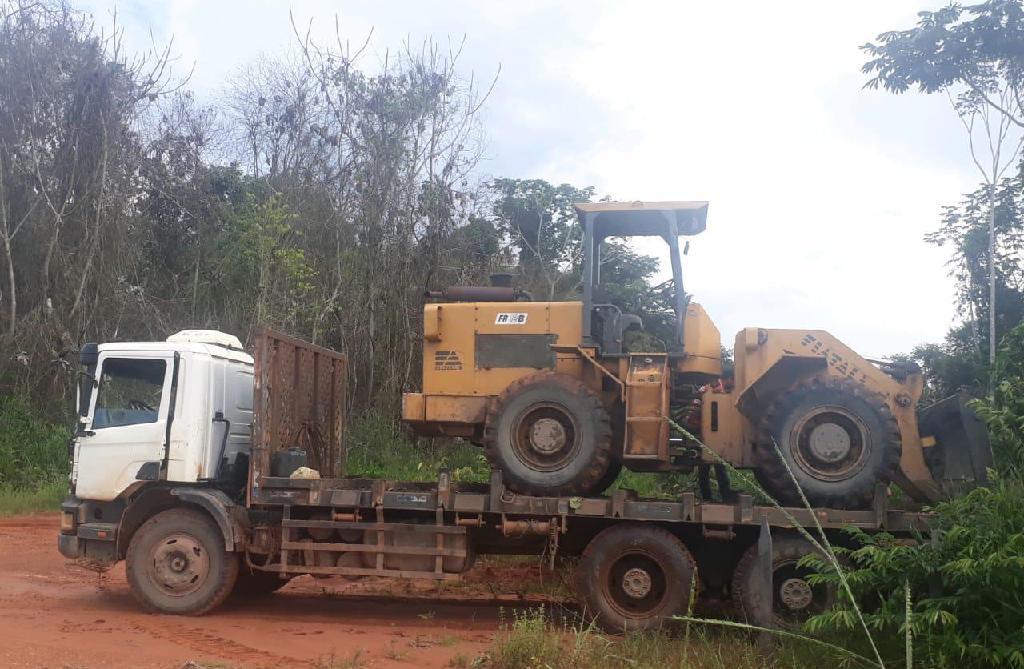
(549, 435)
(837, 438)
(635, 577)
(794, 598)
(177, 563)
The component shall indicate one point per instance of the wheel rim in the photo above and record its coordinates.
(545, 437)
(830, 443)
(794, 599)
(635, 585)
(179, 565)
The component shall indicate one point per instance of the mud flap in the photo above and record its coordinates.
(961, 455)
(763, 586)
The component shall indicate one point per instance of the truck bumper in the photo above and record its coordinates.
(70, 546)
(95, 541)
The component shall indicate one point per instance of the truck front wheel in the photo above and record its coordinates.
(177, 563)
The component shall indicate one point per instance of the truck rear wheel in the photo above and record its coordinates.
(794, 598)
(838, 438)
(634, 577)
(177, 563)
(549, 435)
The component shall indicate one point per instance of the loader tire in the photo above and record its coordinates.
(177, 563)
(838, 438)
(549, 435)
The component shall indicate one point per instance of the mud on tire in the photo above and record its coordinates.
(549, 435)
(838, 438)
(177, 563)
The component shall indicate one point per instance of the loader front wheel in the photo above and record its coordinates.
(836, 437)
(549, 435)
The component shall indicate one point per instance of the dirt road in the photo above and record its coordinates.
(56, 615)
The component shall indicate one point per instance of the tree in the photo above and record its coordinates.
(539, 220)
(975, 55)
(70, 166)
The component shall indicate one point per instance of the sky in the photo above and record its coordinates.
(820, 191)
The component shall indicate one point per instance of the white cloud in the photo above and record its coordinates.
(820, 191)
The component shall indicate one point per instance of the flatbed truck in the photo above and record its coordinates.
(210, 472)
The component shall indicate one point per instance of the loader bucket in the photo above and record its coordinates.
(961, 455)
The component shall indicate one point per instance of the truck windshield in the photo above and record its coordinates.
(129, 392)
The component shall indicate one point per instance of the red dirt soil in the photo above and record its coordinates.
(54, 614)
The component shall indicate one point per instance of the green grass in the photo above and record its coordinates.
(33, 459)
(33, 449)
(45, 497)
(533, 641)
(379, 447)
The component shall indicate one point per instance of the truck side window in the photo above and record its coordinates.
(129, 392)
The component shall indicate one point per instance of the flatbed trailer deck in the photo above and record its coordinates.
(726, 544)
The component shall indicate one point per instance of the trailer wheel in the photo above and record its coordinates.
(838, 438)
(176, 563)
(794, 598)
(633, 577)
(550, 435)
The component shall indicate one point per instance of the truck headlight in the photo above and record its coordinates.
(67, 521)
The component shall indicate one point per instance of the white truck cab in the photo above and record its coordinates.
(177, 411)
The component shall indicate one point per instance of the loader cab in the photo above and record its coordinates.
(603, 323)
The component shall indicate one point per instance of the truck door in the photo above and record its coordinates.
(126, 426)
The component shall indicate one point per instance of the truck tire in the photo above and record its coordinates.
(634, 577)
(837, 437)
(794, 598)
(177, 563)
(550, 436)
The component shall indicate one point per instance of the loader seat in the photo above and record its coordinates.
(609, 327)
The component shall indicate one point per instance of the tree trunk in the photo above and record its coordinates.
(12, 287)
(991, 274)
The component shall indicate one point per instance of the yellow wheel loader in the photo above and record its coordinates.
(560, 405)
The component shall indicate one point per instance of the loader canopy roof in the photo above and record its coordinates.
(600, 220)
(642, 219)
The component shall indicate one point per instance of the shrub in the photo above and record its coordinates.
(33, 450)
(379, 447)
(966, 583)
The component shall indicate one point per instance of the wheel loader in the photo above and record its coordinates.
(560, 404)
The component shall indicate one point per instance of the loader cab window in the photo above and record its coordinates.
(129, 392)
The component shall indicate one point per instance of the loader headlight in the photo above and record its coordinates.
(67, 521)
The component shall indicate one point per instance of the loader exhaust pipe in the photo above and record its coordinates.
(478, 294)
